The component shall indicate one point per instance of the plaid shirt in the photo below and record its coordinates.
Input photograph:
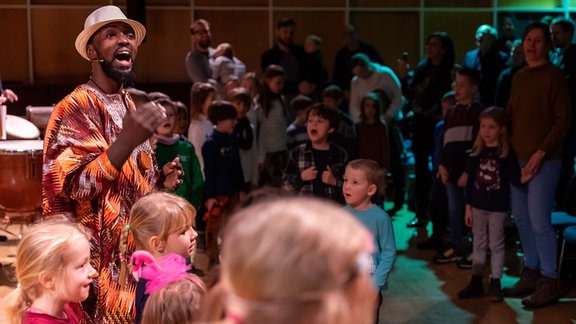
(301, 158)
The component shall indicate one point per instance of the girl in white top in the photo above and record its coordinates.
(200, 128)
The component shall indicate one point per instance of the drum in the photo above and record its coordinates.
(21, 175)
(20, 128)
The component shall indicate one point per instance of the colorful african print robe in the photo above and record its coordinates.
(79, 180)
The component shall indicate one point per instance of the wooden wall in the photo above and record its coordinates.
(37, 38)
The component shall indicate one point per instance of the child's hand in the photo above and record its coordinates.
(443, 174)
(462, 180)
(309, 174)
(209, 203)
(525, 177)
(468, 219)
(328, 177)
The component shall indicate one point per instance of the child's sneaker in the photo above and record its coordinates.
(446, 256)
(465, 262)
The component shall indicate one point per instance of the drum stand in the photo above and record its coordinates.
(22, 218)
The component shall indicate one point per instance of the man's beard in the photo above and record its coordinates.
(205, 44)
(287, 42)
(126, 78)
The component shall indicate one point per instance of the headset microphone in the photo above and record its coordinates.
(97, 60)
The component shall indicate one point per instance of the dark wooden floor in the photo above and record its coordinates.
(420, 291)
(423, 292)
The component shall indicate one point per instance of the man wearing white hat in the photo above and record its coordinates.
(98, 160)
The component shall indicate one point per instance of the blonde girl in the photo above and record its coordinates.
(299, 270)
(160, 223)
(200, 128)
(492, 166)
(53, 272)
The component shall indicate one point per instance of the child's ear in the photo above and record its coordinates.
(46, 280)
(372, 189)
(331, 130)
(156, 244)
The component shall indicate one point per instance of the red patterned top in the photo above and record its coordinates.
(79, 179)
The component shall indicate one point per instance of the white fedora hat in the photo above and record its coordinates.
(103, 16)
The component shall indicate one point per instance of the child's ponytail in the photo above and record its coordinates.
(16, 302)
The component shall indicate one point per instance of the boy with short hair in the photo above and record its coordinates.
(169, 145)
(223, 170)
(316, 167)
(296, 131)
(460, 128)
(244, 133)
(362, 180)
(345, 135)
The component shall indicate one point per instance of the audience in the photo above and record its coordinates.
(254, 141)
(488, 60)
(286, 54)
(342, 73)
(424, 88)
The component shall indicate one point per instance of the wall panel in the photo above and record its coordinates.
(161, 56)
(459, 3)
(309, 3)
(232, 3)
(13, 45)
(330, 30)
(381, 29)
(55, 57)
(246, 31)
(461, 26)
(548, 4)
(384, 3)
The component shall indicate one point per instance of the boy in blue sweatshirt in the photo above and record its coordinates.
(362, 180)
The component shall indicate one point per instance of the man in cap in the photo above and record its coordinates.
(98, 160)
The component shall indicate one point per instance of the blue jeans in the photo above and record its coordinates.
(456, 207)
(531, 207)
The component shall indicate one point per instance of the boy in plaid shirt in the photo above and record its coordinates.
(315, 168)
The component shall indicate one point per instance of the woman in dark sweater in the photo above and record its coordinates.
(539, 108)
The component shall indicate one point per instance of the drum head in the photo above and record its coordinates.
(20, 128)
(13, 146)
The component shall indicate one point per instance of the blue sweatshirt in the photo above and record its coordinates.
(379, 224)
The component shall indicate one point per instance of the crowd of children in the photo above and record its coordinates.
(310, 147)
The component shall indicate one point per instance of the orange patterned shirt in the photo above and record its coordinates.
(79, 179)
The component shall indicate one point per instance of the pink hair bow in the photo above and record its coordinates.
(160, 272)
